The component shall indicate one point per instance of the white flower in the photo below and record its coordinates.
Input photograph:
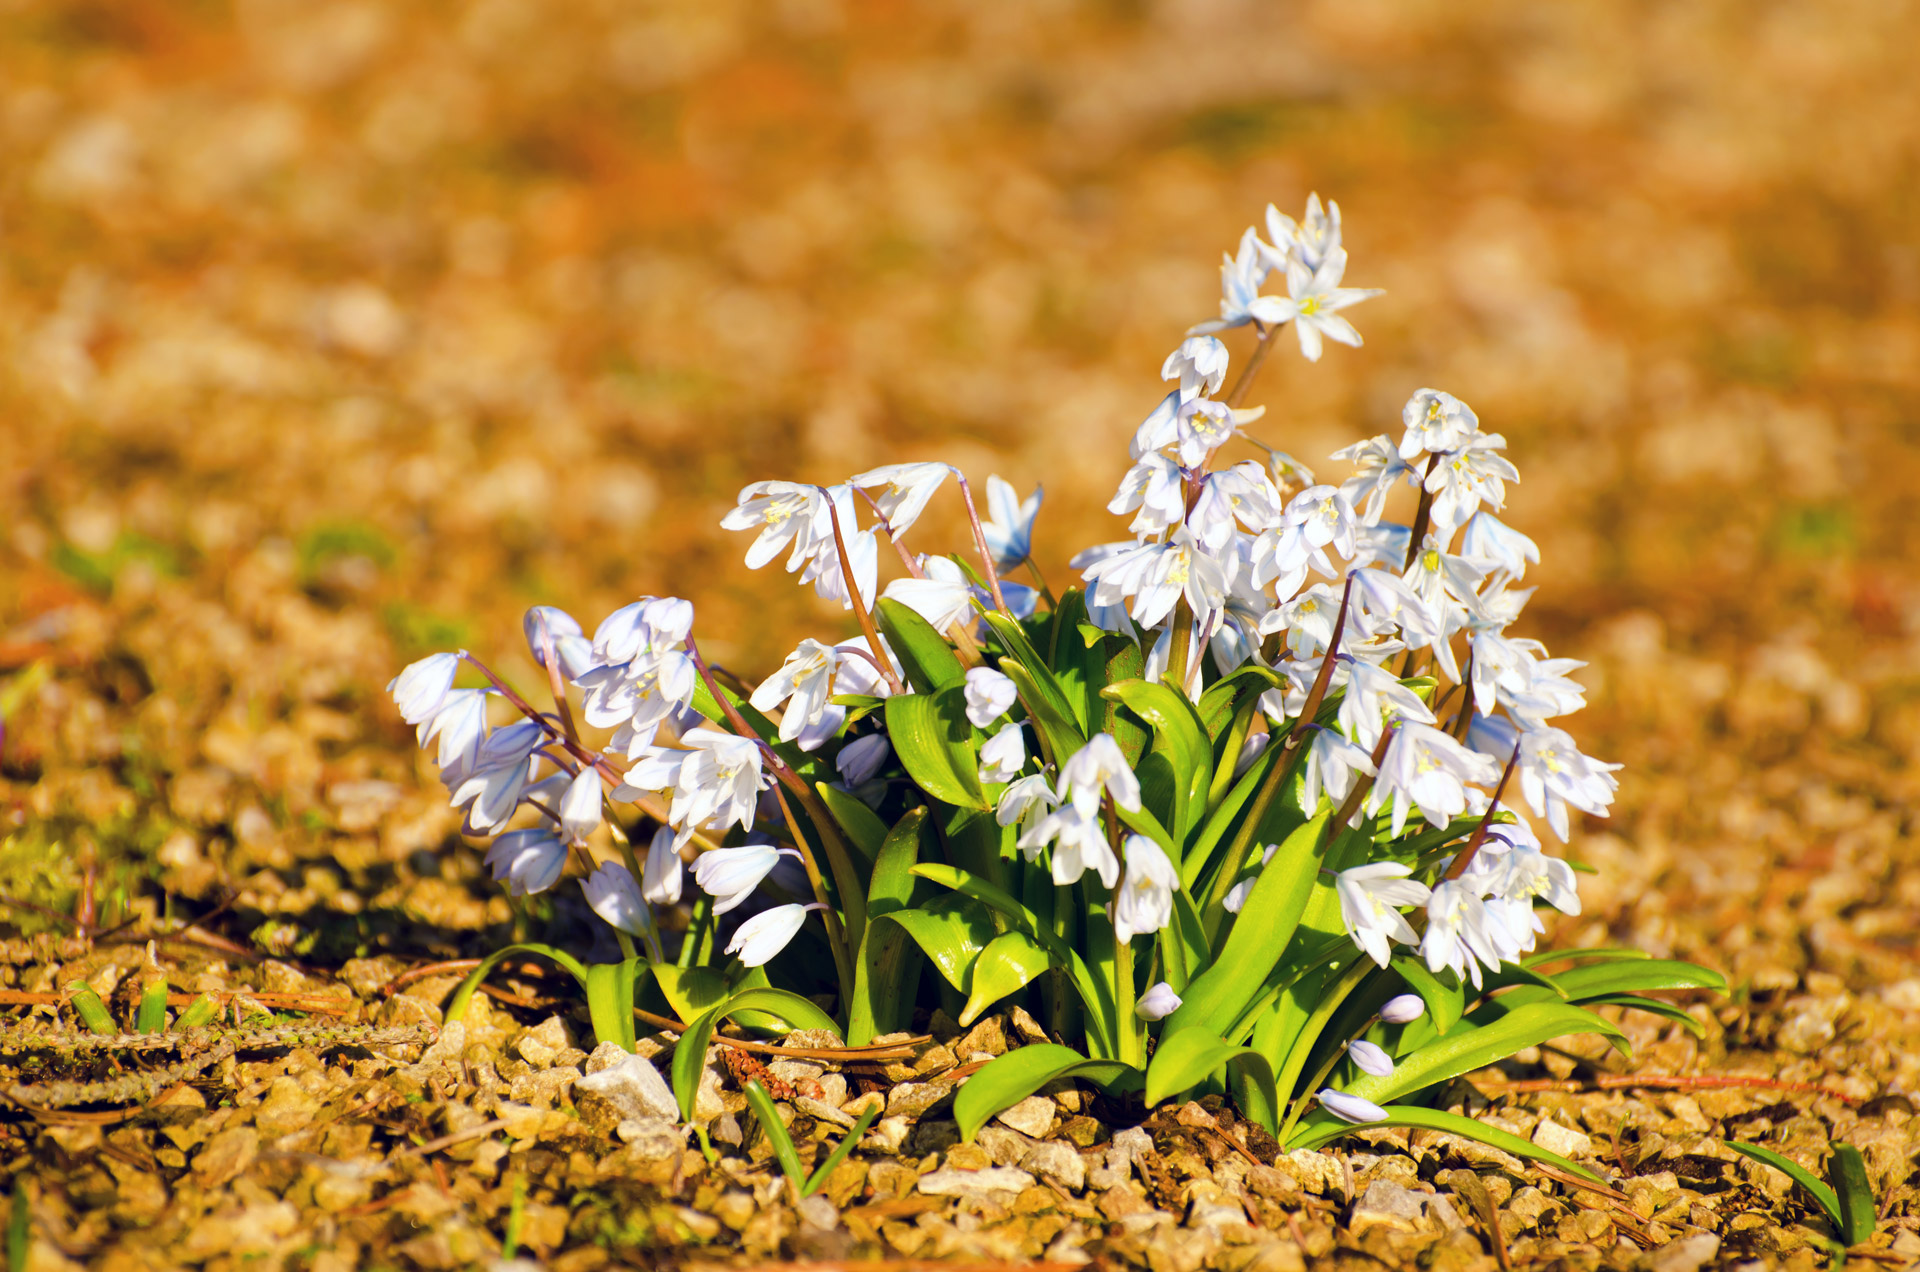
(1446, 582)
(651, 624)
(1403, 1009)
(764, 935)
(1460, 933)
(861, 758)
(640, 694)
(1079, 845)
(1096, 768)
(661, 878)
(1350, 1108)
(1370, 1058)
(1003, 755)
(1382, 543)
(717, 777)
(1370, 897)
(1145, 900)
(730, 875)
(1437, 423)
(943, 598)
(1373, 699)
(461, 725)
(906, 490)
(1309, 242)
(421, 689)
(863, 553)
(1201, 427)
(527, 861)
(1491, 543)
(1156, 486)
(1314, 297)
(787, 512)
(1388, 602)
(1009, 523)
(612, 894)
(1426, 768)
(1555, 776)
(571, 648)
(500, 773)
(1308, 621)
(1157, 1003)
(1024, 802)
(1378, 467)
(1157, 575)
(1200, 364)
(989, 693)
(1464, 479)
(1240, 279)
(1333, 764)
(805, 682)
(580, 806)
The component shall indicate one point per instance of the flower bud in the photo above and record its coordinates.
(1157, 1003)
(580, 806)
(1370, 1058)
(1402, 1008)
(1350, 1108)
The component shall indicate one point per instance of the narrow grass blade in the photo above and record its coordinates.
(1828, 1200)
(199, 1013)
(824, 1171)
(152, 1016)
(1859, 1215)
(93, 1012)
(777, 1136)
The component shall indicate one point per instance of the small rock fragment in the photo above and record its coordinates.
(1000, 1184)
(1031, 1116)
(1556, 1138)
(632, 1088)
(1688, 1254)
(1387, 1205)
(1061, 1163)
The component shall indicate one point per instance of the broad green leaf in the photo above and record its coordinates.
(1185, 943)
(882, 995)
(1591, 954)
(1179, 735)
(1443, 994)
(950, 930)
(1078, 667)
(864, 831)
(1124, 660)
(1259, 936)
(457, 1005)
(1859, 1214)
(1592, 979)
(691, 990)
(1008, 964)
(1221, 698)
(784, 1005)
(1018, 1074)
(777, 1135)
(924, 653)
(1828, 1200)
(1321, 1127)
(934, 741)
(1465, 1050)
(152, 1015)
(1222, 820)
(1142, 822)
(690, 1057)
(1185, 1057)
(610, 989)
(1047, 707)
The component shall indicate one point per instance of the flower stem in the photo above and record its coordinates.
(859, 604)
(1465, 859)
(1177, 642)
(1261, 349)
(980, 542)
(836, 935)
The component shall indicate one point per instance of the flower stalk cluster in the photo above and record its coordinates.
(1271, 711)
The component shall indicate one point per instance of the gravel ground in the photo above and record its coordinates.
(337, 333)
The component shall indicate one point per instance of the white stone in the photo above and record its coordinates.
(633, 1088)
(1556, 1138)
(1062, 1163)
(996, 1183)
(1031, 1116)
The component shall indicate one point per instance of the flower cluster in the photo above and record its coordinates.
(1236, 719)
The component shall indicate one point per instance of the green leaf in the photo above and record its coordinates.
(950, 930)
(1444, 996)
(19, 1227)
(198, 1013)
(882, 993)
(1591, 954)
(1222, 697)
(690, 1057)
(1859, 1215)
(934, 741)
(1018, 1074)
(1321, 1127)
(777, 1135)
(1653, 1007)
(691, 990)
(1465, 1050)
(924, 653)
(610, 989)
(92, 1011)
(1008, 964)
(1594, 979)
(865, 832)
(1180, 736)
(1048, 708)
(152, 1015)
(824, 1171)
(457, 1005)
(1260, 934)
(1828, 1200)
(1185, 1057)
(796, 1012)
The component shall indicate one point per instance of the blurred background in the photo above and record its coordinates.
(336, 331)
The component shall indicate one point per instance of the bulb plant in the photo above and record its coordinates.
(1251, 807)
